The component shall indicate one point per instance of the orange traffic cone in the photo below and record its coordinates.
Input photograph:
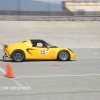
(9, 71)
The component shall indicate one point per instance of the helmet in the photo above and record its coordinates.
(34, 44)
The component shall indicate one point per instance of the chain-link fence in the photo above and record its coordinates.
(39, 11)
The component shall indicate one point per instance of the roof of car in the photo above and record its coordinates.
(37, 40)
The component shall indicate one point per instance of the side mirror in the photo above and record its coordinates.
(48, 47)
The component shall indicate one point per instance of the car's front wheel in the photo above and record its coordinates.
(63, 55)
(18, 56)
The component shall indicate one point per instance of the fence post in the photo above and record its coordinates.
(18, 10)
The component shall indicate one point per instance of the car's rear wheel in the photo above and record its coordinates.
(18, 56)
(63, 55)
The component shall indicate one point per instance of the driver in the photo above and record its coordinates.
(34, 44)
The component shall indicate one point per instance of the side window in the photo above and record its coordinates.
(39, 45)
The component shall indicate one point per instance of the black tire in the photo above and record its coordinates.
(18, 55)
(63, 55)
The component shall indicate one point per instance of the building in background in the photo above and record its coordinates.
(84, 8)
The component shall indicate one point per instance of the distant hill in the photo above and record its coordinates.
(29, 5)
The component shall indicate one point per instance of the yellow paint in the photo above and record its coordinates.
(36, 52)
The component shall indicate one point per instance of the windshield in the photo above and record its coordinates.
(50, 45)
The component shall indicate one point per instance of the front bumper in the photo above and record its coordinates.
(73, 56)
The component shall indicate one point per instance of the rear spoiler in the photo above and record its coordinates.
(4, 45)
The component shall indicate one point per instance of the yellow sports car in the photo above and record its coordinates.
(36, 49)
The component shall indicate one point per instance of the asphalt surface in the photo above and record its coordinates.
(78, 34)
(54, 80)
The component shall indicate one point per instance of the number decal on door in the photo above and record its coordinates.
(43, 52)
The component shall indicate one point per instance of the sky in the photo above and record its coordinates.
(59, 1)
(51, 1)
(31, 5)
(34, 5)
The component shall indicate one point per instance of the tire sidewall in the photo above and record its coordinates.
(18, 51)
(59, 58)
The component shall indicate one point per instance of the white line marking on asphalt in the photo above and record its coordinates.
(2, 77)
(95, 53)
(19, 84)
(94, 79)
(2, 70)
(50, 76)
(89, 57)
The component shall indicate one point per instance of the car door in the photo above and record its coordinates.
(41, 52)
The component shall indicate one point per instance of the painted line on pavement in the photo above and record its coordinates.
(89, 57)
(51, 76)
(94, 79)
(15, 81)
(2, 77)
(2, 70)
